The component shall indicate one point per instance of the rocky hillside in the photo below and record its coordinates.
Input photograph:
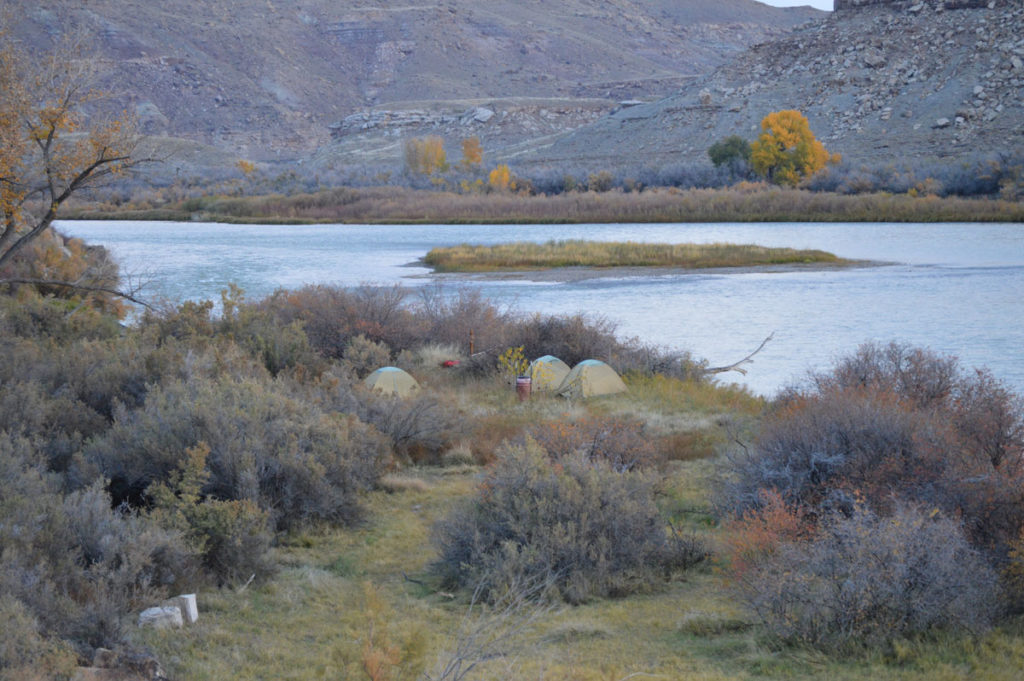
(880, 81)
(266, 79)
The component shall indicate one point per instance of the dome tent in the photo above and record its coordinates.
(391, 381)
(591, 378)
(547, 373)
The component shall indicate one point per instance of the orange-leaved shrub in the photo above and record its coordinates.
(877, 458)
(623, 443)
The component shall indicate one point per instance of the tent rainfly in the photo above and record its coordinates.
(547, 373)
(392, 381)
(591, 378)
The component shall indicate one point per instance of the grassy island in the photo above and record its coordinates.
(578, 253)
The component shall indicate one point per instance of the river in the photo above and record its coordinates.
(955, 288)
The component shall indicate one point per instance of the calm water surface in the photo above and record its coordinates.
(956, 288)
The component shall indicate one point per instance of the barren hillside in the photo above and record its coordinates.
(880, 81)
(268, 79)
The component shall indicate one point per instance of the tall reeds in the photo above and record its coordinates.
(740, 203)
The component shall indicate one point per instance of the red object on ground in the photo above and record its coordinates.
(523, 388)
(449, 363)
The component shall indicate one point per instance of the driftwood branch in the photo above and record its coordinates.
(738, 366)
(126, 295)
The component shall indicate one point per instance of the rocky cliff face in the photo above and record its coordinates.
(886, 83)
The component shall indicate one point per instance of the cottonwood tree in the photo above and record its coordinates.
(472, 152)
(425, 155)
(50, 150)
(787, 150)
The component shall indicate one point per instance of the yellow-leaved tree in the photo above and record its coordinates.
(472, 152)
(425, 155)
(500, 179)
(787, 151)
(49, 150)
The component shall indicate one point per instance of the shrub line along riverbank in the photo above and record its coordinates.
(396, 205)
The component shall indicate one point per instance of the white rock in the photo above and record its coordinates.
(161, 618)
(942, 123)
(482, 115)
(186, 603)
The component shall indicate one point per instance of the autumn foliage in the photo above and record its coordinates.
(896, 456)
(787, 151)
(49, 150)
(425, 155)
(500, 179)
(472, 152)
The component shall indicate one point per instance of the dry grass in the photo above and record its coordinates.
(314, 620)
(403, 483)
(578, 253)
(749, 203)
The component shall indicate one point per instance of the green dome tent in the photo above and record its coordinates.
(591, 378)
(547, 373)
(392, 381)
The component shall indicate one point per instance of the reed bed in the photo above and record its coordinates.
(742, 203)
(579, 253)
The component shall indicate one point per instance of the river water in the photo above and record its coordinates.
(955, 288)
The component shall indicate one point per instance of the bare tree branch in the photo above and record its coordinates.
(492, 632)
(738, 366)
(126, 295)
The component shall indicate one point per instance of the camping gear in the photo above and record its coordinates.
(547, 373)
(523, 388)
(392, 381)
(591, 378)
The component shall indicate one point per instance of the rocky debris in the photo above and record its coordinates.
(174, 613)
(480, 115)
(398, 120)
(161, 617)
(875, 83)
(109, 665)
(186, 603)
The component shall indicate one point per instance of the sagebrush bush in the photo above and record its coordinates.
(284, 454)
(588, 530)
(76, 564)
(278, 346)
(365, 356)
(865, 580)
(26, 653)
(233, 537)
(420, 426)
(893, 422)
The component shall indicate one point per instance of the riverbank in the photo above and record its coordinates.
(397, 205)
(576, 275)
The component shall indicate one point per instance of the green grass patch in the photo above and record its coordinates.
(578, 253)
